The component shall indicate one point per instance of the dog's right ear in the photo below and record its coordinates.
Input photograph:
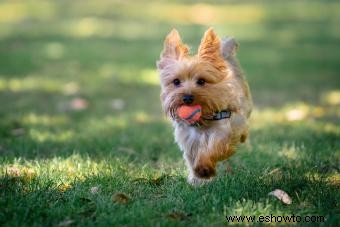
(229, 47)
(173, 49)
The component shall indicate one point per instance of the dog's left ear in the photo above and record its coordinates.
(210, 49)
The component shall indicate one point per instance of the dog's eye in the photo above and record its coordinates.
(200, 82)
(176, 82)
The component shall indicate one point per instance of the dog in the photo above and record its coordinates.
(212, 81)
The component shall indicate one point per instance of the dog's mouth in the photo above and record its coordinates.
(189, 113)
(194, 115)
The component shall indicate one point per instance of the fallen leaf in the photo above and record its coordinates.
(120, 198)
(177, 215)
(281, 195)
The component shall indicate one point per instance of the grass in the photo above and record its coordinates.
(83, 140)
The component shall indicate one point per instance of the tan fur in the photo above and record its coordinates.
(225, 88)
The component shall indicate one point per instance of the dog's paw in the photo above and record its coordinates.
(205, 171)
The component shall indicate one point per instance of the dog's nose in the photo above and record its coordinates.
(188, 99)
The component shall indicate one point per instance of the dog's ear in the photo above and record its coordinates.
(210, 49)
(173, 49)
(229, 47)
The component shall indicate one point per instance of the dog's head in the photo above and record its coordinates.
(200, 79)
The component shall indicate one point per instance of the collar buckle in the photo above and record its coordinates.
(222, 115)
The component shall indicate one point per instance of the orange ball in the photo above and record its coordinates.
(190, 114)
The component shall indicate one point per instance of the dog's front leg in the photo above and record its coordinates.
(192, 178)
(203, 165)
(201, 168)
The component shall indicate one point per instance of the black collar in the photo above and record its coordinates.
(216, 117)
(220, 115)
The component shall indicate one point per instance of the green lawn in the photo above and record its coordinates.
(83, 140)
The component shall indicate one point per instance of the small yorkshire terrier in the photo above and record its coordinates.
(208, 100)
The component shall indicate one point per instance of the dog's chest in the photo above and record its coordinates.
(191, 139)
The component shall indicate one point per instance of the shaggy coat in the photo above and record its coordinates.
(223, 87)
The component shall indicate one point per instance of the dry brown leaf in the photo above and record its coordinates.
(281, 195)
(176, 215)
(120, 198)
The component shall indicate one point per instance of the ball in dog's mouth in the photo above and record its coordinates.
(190, 114)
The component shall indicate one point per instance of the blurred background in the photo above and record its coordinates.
(81, 119)
(79, 76)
